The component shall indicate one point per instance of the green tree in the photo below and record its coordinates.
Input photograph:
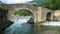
(37, 2)
(52, 4)
(23, 12)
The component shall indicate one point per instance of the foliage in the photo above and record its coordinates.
(2, 8)
(37, 2)
(23, 12)
(52, 4)
(3, 12)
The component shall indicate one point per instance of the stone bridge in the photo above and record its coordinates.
(40, 14)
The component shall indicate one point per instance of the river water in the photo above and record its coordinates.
(22, 27)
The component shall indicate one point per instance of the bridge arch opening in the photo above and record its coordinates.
(48, 17)
(24, 13)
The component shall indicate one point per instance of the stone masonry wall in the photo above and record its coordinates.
(57, 15)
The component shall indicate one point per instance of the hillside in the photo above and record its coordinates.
(37, 2)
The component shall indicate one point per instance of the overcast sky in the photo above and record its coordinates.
(15, 1)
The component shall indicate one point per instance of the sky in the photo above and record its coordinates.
(15, 1)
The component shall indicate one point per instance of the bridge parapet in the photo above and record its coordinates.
(13, 6)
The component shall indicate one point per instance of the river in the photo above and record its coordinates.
(22, 27)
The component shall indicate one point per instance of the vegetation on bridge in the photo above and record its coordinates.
(23, 12)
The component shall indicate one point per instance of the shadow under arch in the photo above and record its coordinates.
(30, 13)
(48, 17)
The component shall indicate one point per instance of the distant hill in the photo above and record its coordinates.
(37, 2)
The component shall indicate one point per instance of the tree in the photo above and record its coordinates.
(52, 4)
(23, 12)
(37, 2)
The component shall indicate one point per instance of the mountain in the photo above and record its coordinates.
(36, 2)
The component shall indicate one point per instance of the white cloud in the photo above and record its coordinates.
(15, 1)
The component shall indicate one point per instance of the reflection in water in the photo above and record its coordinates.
(20, 27)
(25, 28)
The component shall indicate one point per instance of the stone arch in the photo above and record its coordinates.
(31, 14)
(24, 9)
(27, 9)
(48, 16)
